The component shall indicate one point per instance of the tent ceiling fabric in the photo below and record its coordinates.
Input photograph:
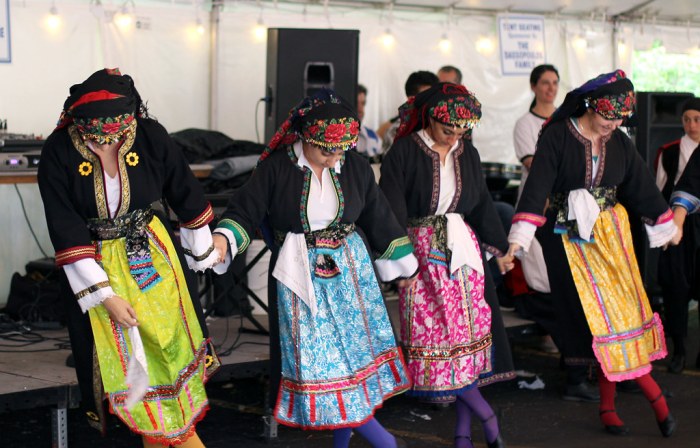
(678, 11)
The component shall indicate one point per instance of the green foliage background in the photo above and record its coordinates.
(655, 70)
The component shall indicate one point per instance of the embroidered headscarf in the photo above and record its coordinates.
(103, 107)
(611, 95)
(446, 103)
(323, 119)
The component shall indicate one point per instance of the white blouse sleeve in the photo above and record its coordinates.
(89, 283)
(660, 234)
(199, 248)
(522, 233)
(404, 267)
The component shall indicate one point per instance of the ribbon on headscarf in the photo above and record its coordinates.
(445, 102)
(613, 84)
(324, 119)
(103, 106)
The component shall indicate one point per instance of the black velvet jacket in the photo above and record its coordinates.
(278, 191)
(150, 167)
(410, 179)
(563, 163)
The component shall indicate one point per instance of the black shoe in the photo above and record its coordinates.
(581, 392)
(616, 430)
(498, 443)
(677, 364)
(668, 426)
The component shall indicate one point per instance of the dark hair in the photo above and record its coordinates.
(452, 68)
(536, 74)
(691, 104)
(361, 89)
(418, 79)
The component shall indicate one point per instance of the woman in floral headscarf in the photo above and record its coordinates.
(591, 173)
(101, 171)
(339, 357)
(450, 320)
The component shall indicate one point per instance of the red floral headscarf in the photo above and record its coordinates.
(611, 95)
(614, 106)
(323, 119)
(446, 103)
(103, 107)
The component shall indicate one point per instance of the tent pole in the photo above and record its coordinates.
(214, 37)
(615, 50)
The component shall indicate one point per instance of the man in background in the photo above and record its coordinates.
(368, 143)
(416, 83)
(450, 73)
(679, 268)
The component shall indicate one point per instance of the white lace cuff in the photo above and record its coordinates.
(390, 270)
(661, 234)
(199, 248)
(89, 283)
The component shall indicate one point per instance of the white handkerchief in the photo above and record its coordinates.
(137, 370)
(292, 269)
(464, 251)
(585, 210)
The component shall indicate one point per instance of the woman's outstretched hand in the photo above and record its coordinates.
(121, 312)
(679, 215)
(505, 263)
(513, 249)
(221, 246)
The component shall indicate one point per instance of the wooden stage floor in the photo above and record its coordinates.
(37, 360)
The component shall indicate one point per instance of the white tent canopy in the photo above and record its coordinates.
(215, 79)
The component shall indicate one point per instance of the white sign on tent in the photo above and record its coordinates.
(5, 49)
(522, 43)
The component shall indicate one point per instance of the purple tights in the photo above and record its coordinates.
(472, 402)
(372, 431)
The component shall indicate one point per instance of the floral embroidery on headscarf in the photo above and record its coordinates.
(323, 119)
(461, 111)
(104, 107)
(614, 107)
(447, 103)
(331, 134)
(104, 130)
(609, 94)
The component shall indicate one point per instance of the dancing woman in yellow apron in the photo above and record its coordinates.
(591, 173)
(101, 170)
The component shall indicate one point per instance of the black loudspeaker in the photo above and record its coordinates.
(659, 122)
(301, 61)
